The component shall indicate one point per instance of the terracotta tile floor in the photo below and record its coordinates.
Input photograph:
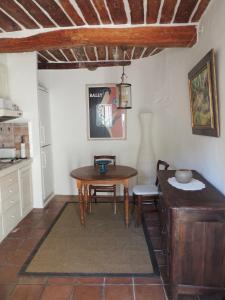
(16, 247)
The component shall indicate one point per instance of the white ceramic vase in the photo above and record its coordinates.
(146, 165)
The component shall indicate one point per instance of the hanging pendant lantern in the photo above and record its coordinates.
(124, 93)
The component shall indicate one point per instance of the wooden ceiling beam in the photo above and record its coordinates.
(80, 54)
(8, 24)
(68, 54)
(101, 53)
(117, 11)
(185, 10)
(88, 12)
(71, 12)
(137, 52)
(136, 11)
(200, 10)
(37, 13)
(90, 53)
(47, 55)
(101, 8)
(152, 11)
(156, 36)
(80, 65)
(168, 11)
(147, 52)
(55, 12)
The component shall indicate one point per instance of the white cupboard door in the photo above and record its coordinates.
(26, 190)
(44, 117)
(47, 173)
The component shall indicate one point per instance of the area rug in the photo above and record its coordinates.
(103, 247)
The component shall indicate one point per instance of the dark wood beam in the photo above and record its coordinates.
(70, 10)
(147, 52)
(136, 11)
(37, 13)
(200, 10)
(101, 53)
(88, 12)
(88, 65)
(168, 11)
(137, 52)
(100, 6)
(8, 24)
(117, 11)
(90, 53)
(156, 36)
(18, 13)
(153, 7)
(53, 9)
(185, 10)
(68, 54)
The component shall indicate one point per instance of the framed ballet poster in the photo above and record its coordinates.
(105, 121)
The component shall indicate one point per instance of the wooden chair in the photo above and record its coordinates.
(147, 191)
(95, 189)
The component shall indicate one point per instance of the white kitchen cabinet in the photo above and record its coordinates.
(15, 195)
(10, 201)
(26, 195)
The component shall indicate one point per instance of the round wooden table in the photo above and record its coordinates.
(90, 175)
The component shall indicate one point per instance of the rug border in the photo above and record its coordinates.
(152, 257)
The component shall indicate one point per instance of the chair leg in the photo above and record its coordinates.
(156, 203)
(94, 194)
(114, 200)
(138, 210)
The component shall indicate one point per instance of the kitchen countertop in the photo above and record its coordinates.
(6, 168)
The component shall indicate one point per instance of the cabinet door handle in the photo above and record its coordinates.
(13, 217)
(11, 201)
(10, 191)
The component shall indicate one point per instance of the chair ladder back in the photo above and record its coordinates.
(112, 158)
(161, 163)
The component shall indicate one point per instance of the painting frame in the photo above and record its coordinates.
(105, 121)
(203, 97)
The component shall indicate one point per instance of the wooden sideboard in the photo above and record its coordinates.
(193, 238)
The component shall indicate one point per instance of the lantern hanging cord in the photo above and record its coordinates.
(124, 76)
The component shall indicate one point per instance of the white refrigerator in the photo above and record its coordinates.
(45, 143)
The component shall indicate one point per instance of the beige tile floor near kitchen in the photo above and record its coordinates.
(16, 247)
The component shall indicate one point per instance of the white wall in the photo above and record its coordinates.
(174, 140)
(22, 73)
(71, 148)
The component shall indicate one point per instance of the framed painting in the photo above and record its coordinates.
(105, 121)
(203, 97)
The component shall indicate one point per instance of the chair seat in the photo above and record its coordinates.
(147, 189)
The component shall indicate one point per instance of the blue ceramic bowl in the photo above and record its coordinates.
(103, 165)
